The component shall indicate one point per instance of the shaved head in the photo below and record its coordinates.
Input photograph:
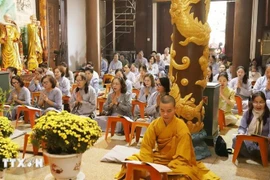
(166, 99)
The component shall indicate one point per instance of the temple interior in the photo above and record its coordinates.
(200, 46)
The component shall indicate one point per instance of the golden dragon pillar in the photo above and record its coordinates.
(189, 59)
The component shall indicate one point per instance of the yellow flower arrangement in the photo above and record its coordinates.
(5, 127)
(3, 97)
(8, 149)
(65, 133)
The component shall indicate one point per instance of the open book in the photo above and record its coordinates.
(160, 168)
(127, 118)
(30, 107)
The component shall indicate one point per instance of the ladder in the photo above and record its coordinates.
(123, 22)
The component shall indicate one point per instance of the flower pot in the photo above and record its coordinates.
(64, 167)
(2, 174)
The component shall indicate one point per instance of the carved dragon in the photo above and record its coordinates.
(191, 28)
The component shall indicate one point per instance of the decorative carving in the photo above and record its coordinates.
(194, 31)
(203, 61)
(191, 28)
(186, 108)
(185, 61)
(184, 82)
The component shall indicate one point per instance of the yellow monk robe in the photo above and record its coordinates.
(9, 36)
(172, 147)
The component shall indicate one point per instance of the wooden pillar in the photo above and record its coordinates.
(44, 24)
(242, 34)
(229, 29)
(189, 59)
(93, 33)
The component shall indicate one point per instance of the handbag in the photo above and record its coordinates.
(221, 147)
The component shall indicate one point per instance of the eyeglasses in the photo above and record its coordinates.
(45, 82)
(14, 82)
(158, 84)
(258, 103)
(77, 81)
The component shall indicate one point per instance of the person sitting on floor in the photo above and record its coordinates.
(241, 86)
(254, 74)
(167, 141)
(120, 73)
(35, 84)
(145, 92)
(209, 77)
(254, 121)
(139, 79)
(152, 108)
(68, 73)
(118, 103)
(222, 68)
(50, 97)
(226, 99)
(83, 98)
(130, 75)
(91, 79)
(20, 95)
(262, 82)
(62, 82)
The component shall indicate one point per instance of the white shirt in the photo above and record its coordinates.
(131, 76)
(166, 59)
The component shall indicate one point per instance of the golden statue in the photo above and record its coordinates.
(9, 38)
(35, 49)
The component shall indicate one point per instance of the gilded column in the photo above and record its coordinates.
(44, 25)
(93, 33)
(242, 34)
(189, 59)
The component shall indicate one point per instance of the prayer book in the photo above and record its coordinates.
(160, 168)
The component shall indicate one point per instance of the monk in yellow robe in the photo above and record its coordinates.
(167, 141)
(9, 37)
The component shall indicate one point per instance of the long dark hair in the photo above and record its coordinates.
(67, 69)
(223, 74)
(266, 110)
(123, 84)
(82, 75)
(211, 76)
(13, 70)
(165, 82)
(19, 79)
(123, 74)
(245, 78)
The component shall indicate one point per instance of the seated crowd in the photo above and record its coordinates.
(149, 77)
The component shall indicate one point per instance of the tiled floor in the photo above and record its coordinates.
(96, 170)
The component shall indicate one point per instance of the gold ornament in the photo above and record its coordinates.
(203, 61)
(184, 82)
(191, 28)
(173, 64)
(186, 108)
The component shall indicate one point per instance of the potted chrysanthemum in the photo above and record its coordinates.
(3, 97)
(8, 150)
(65, 136)
(6, 129)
